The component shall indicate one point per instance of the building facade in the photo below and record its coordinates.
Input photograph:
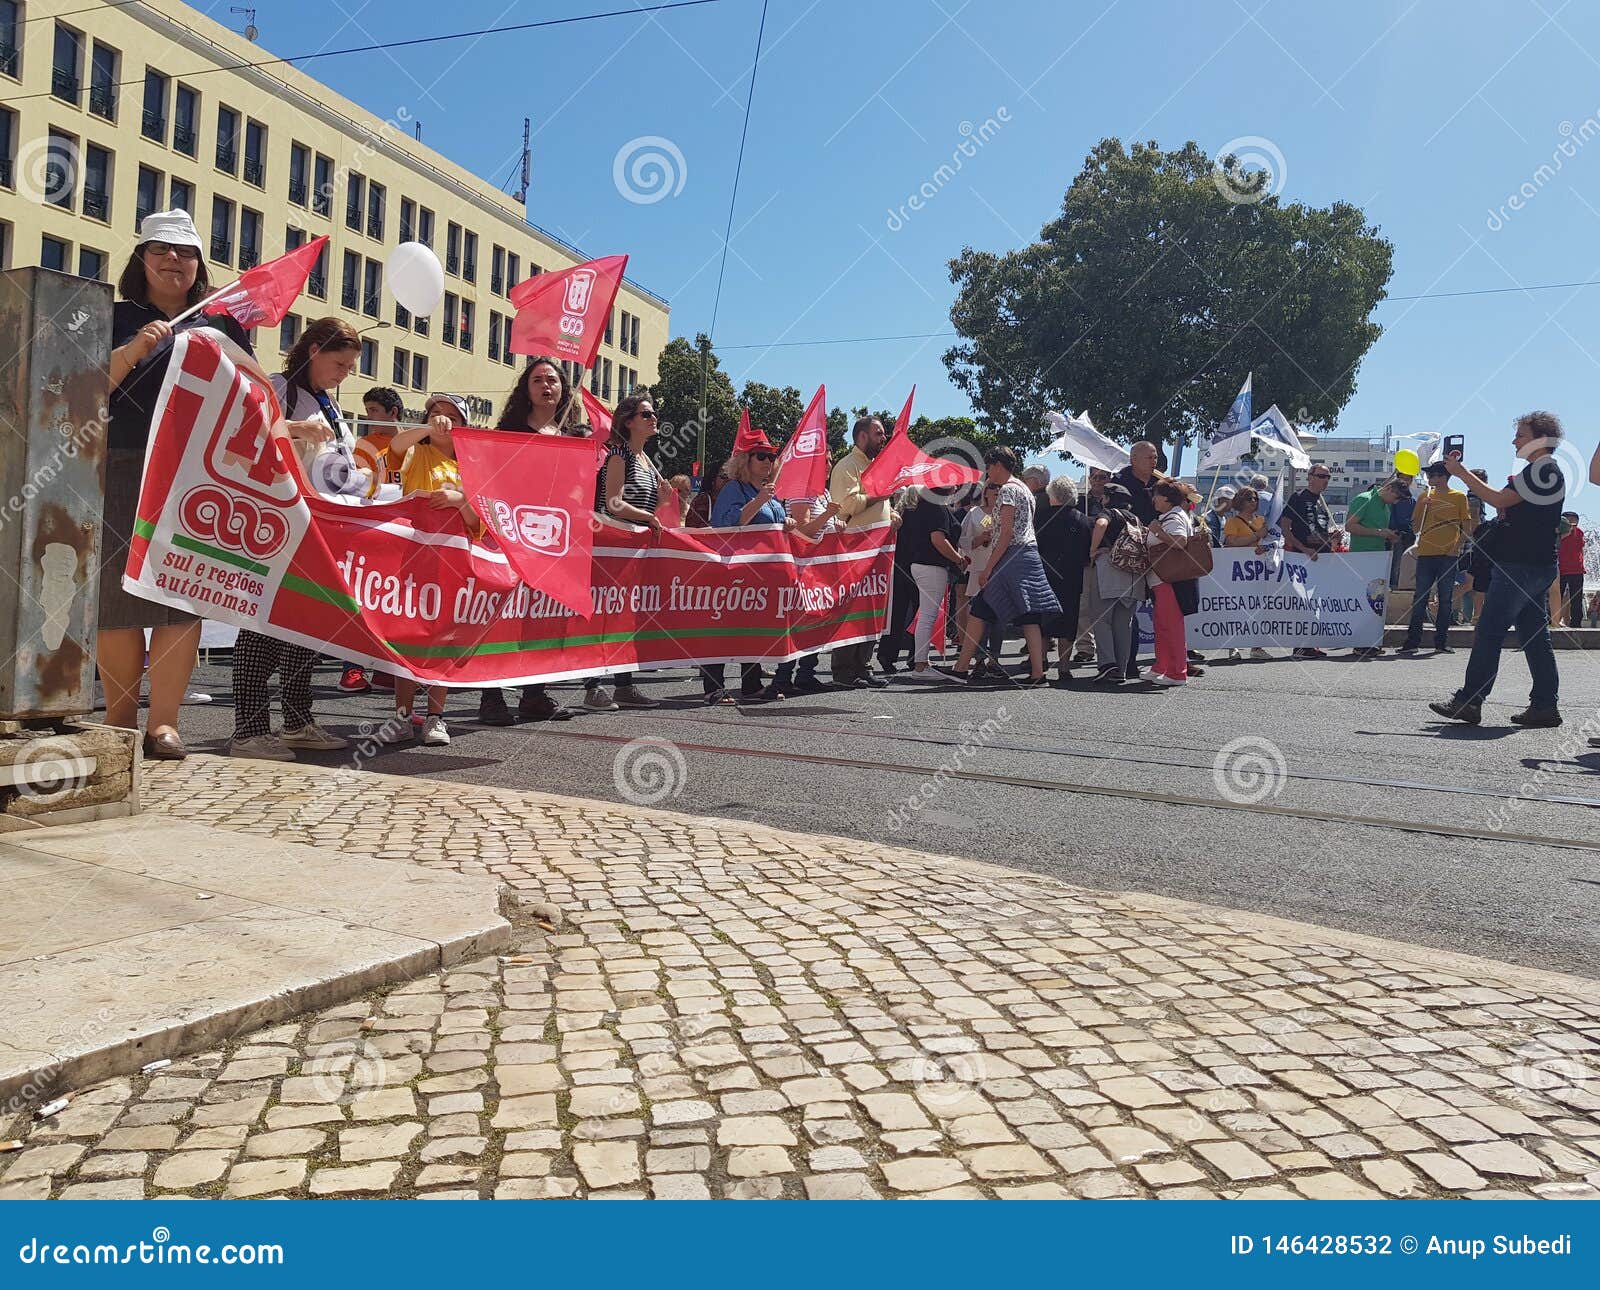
(109, 113)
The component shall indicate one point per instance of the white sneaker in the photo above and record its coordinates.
(434, 733)
(1234, 653)
(929, 673)
(314, 738)
(1258, 652)
(599, 700)
(195, 696)
(397, 729)
(1158, 678)
(261, 748)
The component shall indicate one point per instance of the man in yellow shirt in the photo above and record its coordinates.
(1441, 521)
(850, 663)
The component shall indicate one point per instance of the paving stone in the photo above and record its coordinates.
(1503, 1160)
(607, 1164)
(285, 1142)
(1007, 1162)
(1450, 1172)
(923, 1173)
(377, 1141)
(840, 1187)
(369, 1179)
(603, 1101)
(264, 1177)
(753, 1162)
(679, 1187)
(755, 1131)
(1235, 1160)
(191, 1169)
(894, 1111)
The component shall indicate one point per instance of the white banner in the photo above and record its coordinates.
(1332, 602)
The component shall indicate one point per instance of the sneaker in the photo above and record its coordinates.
(1450, 710)
(809, 685)
(928, 672)
(313, 738)
(1443, 649)
(539, 706)
(631, 696)
(598, 699)
(1259, 652)
(492, 710)
(261, 748)
(1543, 717)
(354, 680)
(193, 697)
(1235, 653)
(1160, 678)
(434, 733)
(874, 682)
(1108, 676)
(397, 729)
(1083, 656)
(1310, 651)
(1408, 649)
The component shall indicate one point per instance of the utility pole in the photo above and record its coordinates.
(700, 446)
(522, 193)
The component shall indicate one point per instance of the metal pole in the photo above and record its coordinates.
(700, 446)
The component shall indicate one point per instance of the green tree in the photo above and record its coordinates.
(1165, 279)
(677, 398)
(777, 411)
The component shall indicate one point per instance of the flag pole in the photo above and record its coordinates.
(192, 310)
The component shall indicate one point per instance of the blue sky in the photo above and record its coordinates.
(1429, 115)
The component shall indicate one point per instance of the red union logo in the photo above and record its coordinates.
(917, 469)
(540, 528)
(214, 515)
(579, 288)
(570, 325)
(808, 443)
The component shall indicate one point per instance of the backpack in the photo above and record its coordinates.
(1129, 552)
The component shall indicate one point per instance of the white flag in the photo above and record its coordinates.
(1276, 430)
(1076, 435)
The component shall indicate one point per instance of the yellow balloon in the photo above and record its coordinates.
(1406, 462)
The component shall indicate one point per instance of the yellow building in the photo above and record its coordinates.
(118, 110)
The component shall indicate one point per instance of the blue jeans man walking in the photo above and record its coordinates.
(1518, 597)
(1433, 571)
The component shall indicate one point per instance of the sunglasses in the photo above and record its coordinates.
(1321, 474)
(648, 416)
(763, 456)
(163, 249)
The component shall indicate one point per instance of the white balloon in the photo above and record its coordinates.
(416, 277)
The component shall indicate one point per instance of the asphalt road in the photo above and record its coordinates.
(1340, 799)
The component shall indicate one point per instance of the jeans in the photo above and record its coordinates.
(1433, 572)
(1517, 597)
(933, 585)
(1572, 598)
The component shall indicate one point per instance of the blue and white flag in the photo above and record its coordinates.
(1231, 441)
(1276, 431)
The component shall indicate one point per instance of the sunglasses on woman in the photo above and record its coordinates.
(763, 456)
(647, 415)
(163, 249)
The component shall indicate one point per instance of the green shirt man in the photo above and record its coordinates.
(1368, 519)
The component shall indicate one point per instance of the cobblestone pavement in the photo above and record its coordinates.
(731, 1011)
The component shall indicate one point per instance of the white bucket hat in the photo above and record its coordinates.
(173, 227)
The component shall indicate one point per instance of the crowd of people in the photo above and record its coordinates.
(1021, 552)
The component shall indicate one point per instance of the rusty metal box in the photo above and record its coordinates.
(55, 353)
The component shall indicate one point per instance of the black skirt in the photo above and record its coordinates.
(124, 468)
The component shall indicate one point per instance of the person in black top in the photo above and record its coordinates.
(1523, 550)
(165, 276)
(928, 537)
(1138, 477)
(1064, 537)
(1308, 527)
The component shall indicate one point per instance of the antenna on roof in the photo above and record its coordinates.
(522, 193)
(250, 31)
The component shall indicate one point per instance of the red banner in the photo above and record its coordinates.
(564, 314)
(228, 529)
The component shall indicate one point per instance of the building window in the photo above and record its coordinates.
(5, 245)
(288, 331)
(605, 380)
(372, 290)
(469, 257)
(91, 264)
(419, 324)
(369, 358)
(611, 315)
(350, 290)
(97, 183)
(66, 71)
(317, 280)
(375, 212)
(255, 154)
(60, 169)
(594, 379)
(10, 20)
(466, 325)
(181, 196)
(299, 163)
(249, 238)
(425, 226)
(222, 230)
(154, 122)
(322, 194)
(227, 140)
(494, 335)
(186, 122)
(402, 367)
(402, 316)
(497, 271)
(8, 148)
(293, 238)
(633, 347)
(513, 269)
(148, 198)
(355, 200)
(408, 220)
(103, 66)
(419, 371)
(54, 254)
(449, 318)
(452, 249)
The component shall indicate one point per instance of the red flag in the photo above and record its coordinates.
(902, 463)
(263, 295)
(535, 495)
(564, 314)
(803, 463)
(599, 417)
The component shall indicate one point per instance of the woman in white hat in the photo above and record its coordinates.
(165, 275)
